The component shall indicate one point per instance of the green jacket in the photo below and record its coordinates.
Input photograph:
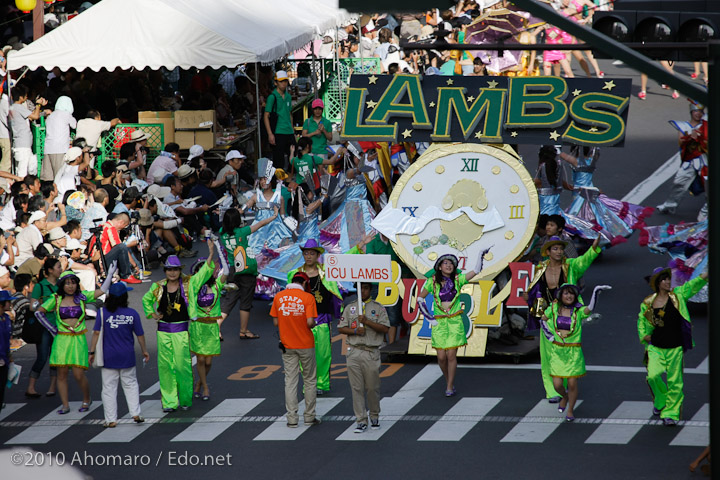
(151, 299)
(573, 268)
(196, 282)
(679, 297)
(52, 304)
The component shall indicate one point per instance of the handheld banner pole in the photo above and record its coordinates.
(360, 302)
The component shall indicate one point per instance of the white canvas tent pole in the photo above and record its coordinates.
(257, 102)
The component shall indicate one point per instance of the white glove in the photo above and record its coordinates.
(596, 292)
(481, 258)
(426, 312)
(223, 258)
(112, 269)
(558, 149)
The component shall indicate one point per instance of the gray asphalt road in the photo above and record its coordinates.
(497, 427)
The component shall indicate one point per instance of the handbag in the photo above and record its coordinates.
(99, 361)
(273, 115)
(32, 329)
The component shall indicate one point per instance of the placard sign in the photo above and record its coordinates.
(358, 268)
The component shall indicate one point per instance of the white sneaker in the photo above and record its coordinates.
(703, 213)
(618, 62)
(667, 207)
(361, 428)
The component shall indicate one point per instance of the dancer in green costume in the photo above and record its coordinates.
(549, 275)
(70, 348)
(167, 302)
(665, 329)
(324, 291)
(448, 333)
(562, 327)
(204, 310)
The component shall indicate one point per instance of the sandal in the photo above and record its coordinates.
(64, 410)
(138, 419)
(85, 407)
(248, 335)
(110, 425)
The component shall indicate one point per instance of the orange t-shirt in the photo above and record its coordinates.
(292, 307)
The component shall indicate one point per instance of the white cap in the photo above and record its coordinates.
(158, 191)
(36, 215)
(195, 151)
(73, 244)
(281, 75)
(56, 234)
(234, 154)
(72, 154)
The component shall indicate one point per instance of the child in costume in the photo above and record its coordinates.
(665, 330)
(204, 309)
(70, 348)
(267, 199)
(562, 325)
(448, 332)
(167, 302)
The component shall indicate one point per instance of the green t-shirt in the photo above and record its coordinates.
(377, 247)
(286, 196)
(319, 142)
(284, 106)
(236, 245)
(42, 291)
(305, 166)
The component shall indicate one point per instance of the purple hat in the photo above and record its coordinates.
(172, 262)
(447, 256)
(196, 266)
(575, 290)
(657, 273)
(552, 241)
(312, 244)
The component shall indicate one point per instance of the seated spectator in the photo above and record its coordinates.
(30, 237)
(138, 156)
(72, 230)
(7, 249)
(114, 249)
(188, 177)
(129, 201)
(68, 175)
(165, 226)
(112, 179)
(196, 155)
(33, 184)
(71, 213)
(84, 270)
(165, 164)
(33, 266)
(57, 239)
(5, 279)
(202, 189)
(233, 170)
(92, 127)
(191, 215)
(49, 192)
(96, 213)
(19, 203)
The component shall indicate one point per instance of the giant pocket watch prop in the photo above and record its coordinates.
(464, 199)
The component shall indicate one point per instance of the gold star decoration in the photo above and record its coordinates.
(450, 81)
(372, 79)
(431, 105)
(492, 84)
(609, 85)
(576, 92)
(513, 134)
(407, 133)
(371, 104)
(470, 99)
(554, 135)
(478, 135)
(593, 129)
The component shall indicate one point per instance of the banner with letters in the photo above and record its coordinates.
(471, 109)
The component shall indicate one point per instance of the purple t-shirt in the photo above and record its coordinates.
(118, 341)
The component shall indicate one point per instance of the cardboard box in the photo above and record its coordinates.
(167, 119)
(188, 138)
(195, 120)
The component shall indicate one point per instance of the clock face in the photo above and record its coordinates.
(464, 199)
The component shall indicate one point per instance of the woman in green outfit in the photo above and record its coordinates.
(70, 348)
(204, 309)
(562, 325)
(318, 129)
(448, 332)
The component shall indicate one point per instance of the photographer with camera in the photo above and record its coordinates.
(114, 249)
(96, 213)
(19, 118)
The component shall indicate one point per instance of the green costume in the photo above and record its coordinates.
(174, 362)
(321, 331)
(70, 348)
(450, 331)
(204, 329)
(668, 397)
(565, 356)
(304, 166)
(572, 269)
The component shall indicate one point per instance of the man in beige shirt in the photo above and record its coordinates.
(366, 331)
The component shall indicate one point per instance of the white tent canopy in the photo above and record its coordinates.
(180, 33)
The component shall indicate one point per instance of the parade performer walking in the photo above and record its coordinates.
(70, 348)
(267, 199)
(328, 298)
(365, 332)
(167, 302)
(549, 275)
(562, 326)
(665, 329)
(693, 140)
(204, 309)
(444, 283)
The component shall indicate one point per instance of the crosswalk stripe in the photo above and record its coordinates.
(43, 433)
(9, 409)
(392, 409)
(538, 424)
(622, 424)
(127, 432)
(459, 420)
(220, 419)
(278, 430)
(422, 380)
(692, 435)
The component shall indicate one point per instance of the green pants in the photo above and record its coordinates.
(545, 346)
(175, 369)
(323, 355)
(669, 396)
